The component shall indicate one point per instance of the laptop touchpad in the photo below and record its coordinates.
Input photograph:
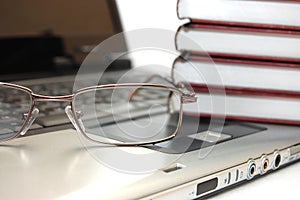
(204, 138)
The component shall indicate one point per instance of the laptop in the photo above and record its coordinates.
(52, 162)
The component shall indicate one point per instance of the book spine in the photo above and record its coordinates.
(245, 24)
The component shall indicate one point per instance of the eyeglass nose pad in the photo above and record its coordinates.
(71, 116)
(171, 107)
(33, 116)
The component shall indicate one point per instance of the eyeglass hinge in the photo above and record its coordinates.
(187, 98)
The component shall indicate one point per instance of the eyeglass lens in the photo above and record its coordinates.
(15, 105)
(126, 115)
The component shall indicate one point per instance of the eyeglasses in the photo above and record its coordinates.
(116, 114)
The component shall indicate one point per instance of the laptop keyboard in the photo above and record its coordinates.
(52, 114)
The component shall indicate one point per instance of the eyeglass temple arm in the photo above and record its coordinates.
(135, 92)
(189, 94)
(188, 97)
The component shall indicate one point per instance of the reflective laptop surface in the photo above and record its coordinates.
(57, 165)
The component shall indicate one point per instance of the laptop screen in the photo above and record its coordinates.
(46, 38)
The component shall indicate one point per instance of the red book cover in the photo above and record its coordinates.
(246, 24)
(246, 118)
(229, 59)
(242, 29)
(232, 90)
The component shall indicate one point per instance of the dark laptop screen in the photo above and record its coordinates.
(46, 38)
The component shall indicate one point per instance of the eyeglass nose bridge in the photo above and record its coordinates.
(46, 98)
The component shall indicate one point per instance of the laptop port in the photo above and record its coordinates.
(277, 160)
(251, 169)
(264, 164)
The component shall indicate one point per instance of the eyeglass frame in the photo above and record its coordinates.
(185, 98)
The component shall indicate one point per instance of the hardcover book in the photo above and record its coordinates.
(258, 13)
(245, 105)
(252, 75)
(240, 42)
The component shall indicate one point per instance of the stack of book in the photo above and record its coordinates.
(254, 48)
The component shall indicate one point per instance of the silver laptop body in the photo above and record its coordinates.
(57, 165)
